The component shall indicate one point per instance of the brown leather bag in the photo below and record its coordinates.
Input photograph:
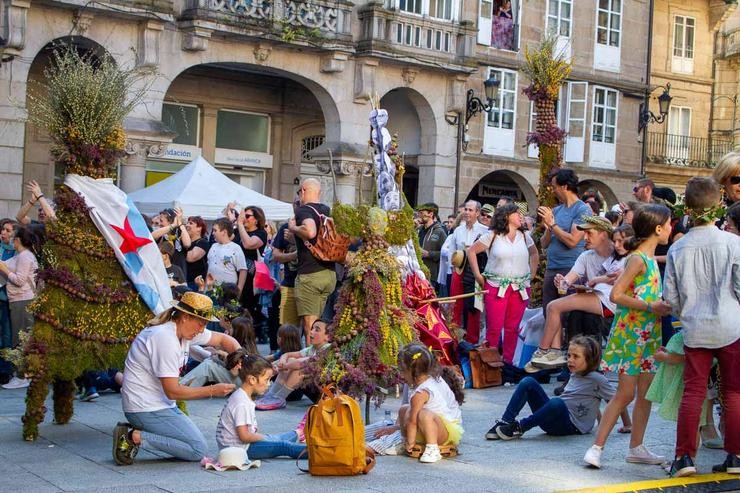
(486, 367)
(330, 245)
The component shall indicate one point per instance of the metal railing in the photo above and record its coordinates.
(685, 151)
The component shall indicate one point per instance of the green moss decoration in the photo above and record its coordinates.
(87, 312)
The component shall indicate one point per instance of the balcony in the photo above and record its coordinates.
(426, 41)
(314, 22)
(685, 152)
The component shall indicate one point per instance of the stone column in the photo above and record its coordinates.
(133, 169)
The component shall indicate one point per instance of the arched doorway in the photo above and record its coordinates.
(504, 184)
(38, 164)
(255, 127)
(411, 185)
(605, 194)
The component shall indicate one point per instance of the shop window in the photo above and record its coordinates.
(242, 131)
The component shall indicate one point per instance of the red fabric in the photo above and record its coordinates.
(433, 331)
(697, 365)
(262, 278)
(504, 313)
(456, 287)
(471, 324)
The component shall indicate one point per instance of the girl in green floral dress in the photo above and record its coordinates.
(635, 333)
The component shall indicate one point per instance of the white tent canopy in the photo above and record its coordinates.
(202, 190)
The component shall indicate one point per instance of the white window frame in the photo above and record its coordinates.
(677, 144)
(424, 8)
(197, 123)
(606, 56)
(603, 154)
(684, 62)
(563, 42)
(575, 144)
(497, 140)
(269, 127)
(485, 23)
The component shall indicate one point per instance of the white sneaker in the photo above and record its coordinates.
(593, 457)
(431, 454)
(641, 455)
(17, 383)
(394, 450)
(552, 358)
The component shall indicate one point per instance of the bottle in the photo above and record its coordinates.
(388, 419)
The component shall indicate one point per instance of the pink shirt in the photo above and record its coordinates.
(21, 284)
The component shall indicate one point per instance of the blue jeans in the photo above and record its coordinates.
(280, 445)
(170, 431)
(549, 414)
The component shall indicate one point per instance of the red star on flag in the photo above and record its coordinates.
(131, 242)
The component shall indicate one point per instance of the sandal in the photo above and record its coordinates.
(624, 429)
(124, 448)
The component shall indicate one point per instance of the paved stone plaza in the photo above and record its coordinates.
(77, 457)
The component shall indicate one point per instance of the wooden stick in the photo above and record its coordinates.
(450, 299)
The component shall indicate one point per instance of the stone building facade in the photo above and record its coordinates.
(692, 50)
(270, 91)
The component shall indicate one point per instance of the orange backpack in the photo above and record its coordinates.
(335, 436)
(330, 245)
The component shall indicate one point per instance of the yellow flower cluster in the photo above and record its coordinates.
(115, 140)
(393, 291)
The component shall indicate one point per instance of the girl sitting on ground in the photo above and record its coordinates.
(290, 368)
(433, 416)
(574, 412)
(289, 341)
(237, 426)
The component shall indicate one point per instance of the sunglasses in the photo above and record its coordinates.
(248, 215)
(735, 180)
(487, 215)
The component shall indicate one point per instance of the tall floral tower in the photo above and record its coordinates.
(547, 70)
(88, 310)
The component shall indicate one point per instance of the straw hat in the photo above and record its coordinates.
(197, 305)
(458, 260)
(596, 222)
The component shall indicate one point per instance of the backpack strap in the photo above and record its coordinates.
(302, 456)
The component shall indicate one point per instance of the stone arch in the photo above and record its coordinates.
(504, 183)
(37, 162)
(425, 118)
(327, 103)
(608, 197)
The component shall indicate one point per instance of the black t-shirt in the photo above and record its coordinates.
(307, 263)
(252, 254)
(175, 273)
(290, 271)
(199, 267)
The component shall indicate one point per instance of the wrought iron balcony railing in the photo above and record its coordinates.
(685, 151)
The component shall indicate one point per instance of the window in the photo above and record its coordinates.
(576, 121)
(498, 24)
(559, 17)
(184, 120)
(412, 6)
(504, 107)
(242, 131)
(609, 26)
(310, 143)
(604, 128)
(679, 131)
(441, 9)
(408, 35)
(605, 116)
(683, 44)
(499, 131)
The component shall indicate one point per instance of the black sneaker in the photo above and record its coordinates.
(559, 390)
(492, 435)
(124, 449)
(509, 431)
(731, 465)
(683, 466)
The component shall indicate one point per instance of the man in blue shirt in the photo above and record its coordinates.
(562, 240)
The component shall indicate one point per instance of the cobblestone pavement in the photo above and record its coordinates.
(77, 456)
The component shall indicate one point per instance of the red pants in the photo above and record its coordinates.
(695, 375)
(504, 313)
(471, 322)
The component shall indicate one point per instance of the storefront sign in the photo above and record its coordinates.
(179, 152)
(243, 158)
(498, 191)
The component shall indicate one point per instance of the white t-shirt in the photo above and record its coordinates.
(507, 258)
(441, 399)
(156, 353)
(238, 411)
(590, 265)
(225, 260)
(463, 236)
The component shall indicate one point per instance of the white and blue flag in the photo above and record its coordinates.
(124, 229)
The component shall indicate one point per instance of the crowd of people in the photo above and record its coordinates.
(629, 291)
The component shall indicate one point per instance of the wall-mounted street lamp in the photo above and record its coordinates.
(664, 106)
(474, 105)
